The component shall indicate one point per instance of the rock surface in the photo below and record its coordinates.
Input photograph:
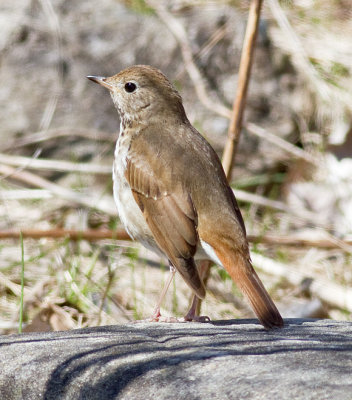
(308, 359)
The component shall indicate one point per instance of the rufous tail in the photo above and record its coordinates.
(243, 274)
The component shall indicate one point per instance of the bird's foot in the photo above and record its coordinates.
(160, 318)
(157, 317)
(168, 319)
(190, 317)
(196, 318)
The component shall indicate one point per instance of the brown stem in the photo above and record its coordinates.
(72, 234)
(34, 180)
(240, 100)
(241, 93)
(93, 235)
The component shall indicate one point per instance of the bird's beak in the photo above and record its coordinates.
(101, 80)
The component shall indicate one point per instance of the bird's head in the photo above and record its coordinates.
(142, 93)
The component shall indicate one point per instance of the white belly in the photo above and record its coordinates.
(130, 214)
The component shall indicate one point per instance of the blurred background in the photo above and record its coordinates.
(292, 173)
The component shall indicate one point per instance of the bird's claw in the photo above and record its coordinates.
(196, 318)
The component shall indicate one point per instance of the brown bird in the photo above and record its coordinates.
(171, 191)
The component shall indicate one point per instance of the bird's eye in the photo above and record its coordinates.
(130, 87)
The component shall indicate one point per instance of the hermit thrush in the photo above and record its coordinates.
(171, 191)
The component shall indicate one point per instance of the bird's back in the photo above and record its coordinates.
(195, 166)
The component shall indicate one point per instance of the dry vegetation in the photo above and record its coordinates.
(292, 175)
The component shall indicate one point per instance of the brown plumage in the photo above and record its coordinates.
(170, 188)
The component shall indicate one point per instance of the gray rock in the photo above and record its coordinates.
(308, 359)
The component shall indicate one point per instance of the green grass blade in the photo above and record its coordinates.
(22, 284)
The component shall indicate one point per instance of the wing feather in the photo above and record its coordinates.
(170, 215)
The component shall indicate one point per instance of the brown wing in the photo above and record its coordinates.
(169, 213)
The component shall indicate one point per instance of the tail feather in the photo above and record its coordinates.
(243, 274)
(189, 272)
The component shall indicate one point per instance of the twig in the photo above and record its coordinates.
(54, 165)
(99, 203)
(274, 204)
(85, 301)
(179, 32)
(25, 194)
(14, 287)
(336, 97)
(240, 98)
(73, 234)
(93, 235)
(293, 241)
(213, 40)
(103, 205)
(106, 292)
(216, 37)
(56, 89)
(198, 82)
(300, 58)
(279, 142)
(329, 292)
(107, 207)
(42, 136)
(242, 86)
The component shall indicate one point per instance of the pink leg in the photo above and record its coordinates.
(156, 313)
(191, 314)
(193, 309)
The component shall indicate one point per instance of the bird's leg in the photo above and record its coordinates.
(204, 267)
(156, 314)
(191, 314)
